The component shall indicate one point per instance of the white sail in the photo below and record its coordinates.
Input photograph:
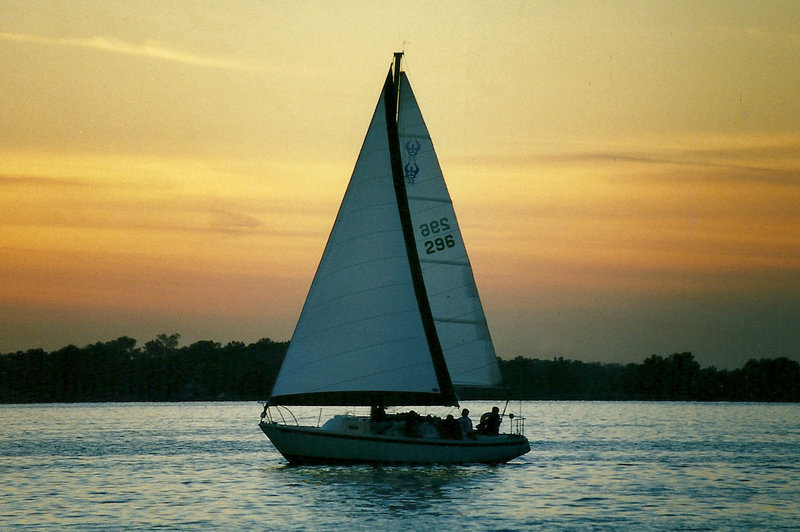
(360, 338)
(453, 296)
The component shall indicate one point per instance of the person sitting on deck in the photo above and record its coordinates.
(377, 413)
(450, 429)
(490, 423)
(411, 428)
(466, 424)
(378, 420)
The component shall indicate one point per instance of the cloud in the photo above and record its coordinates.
(150, 50)
(55, 203)
(772, 165)
(231, 222)
(32, 180)
(728, 172)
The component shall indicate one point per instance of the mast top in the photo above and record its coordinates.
(398, 56)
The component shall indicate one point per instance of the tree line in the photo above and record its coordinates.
(118, 370)
(677, 377)
(159, 371)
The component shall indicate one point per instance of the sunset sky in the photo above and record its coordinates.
(626, 174)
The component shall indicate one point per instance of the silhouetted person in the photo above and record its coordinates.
(450, 429)
(412, 425)
(490, 423)
(377, 413)
(466, 424)
(378, 421)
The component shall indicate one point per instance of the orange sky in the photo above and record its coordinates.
(626, 174)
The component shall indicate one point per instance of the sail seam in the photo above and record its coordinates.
(333, 386)
(456, 320)
(334, 299)
(363, 262)
(430, 198)
(445, 262)
(352, 322)
(347, 352)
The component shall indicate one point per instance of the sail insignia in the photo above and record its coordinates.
(411, 167)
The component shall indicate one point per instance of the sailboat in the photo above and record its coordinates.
(392, 317)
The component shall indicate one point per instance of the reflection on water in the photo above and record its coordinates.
(409, 488)
(592, 465)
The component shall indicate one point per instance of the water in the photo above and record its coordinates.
(593, 465)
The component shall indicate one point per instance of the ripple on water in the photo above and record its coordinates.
(592, 466)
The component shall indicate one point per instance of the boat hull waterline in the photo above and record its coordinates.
(313, 445)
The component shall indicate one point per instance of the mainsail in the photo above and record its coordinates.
(393, 315)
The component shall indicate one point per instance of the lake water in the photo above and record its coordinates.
(593, 465)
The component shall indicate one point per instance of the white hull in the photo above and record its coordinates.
(312, 445)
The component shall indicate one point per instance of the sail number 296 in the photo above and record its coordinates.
(436, 243)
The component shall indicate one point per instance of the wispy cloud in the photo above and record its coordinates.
(32, 180)
(735, 172)
(150, 50)
(231, 222)
(775, 165)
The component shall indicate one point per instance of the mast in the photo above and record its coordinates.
(391, 95)
(398, 56)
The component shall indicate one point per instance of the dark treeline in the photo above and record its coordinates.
(677, 377)
(161, 371)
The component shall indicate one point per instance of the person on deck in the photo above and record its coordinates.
(378, 420)
(450, 428)
(377, 413)
(411, 428)
(490, 423)
(466, 424)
